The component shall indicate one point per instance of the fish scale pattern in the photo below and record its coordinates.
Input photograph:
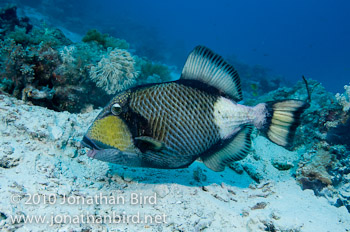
(178, 115)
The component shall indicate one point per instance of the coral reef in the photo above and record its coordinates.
(105, 40)
(25, 66)
(9, 20)
(322, 141)
(115, 72)
(258, 80)
(323, 114)
(313, 173)
(340, 134)
(39, 64)
(344, 99)
(151, 72)
(49, 36)
(325, 170)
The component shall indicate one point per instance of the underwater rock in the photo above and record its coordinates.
(202, 224)
(7, 149)
(198, 175)
(162, 190)
(237, 167)
(312, 173)
(282, 165)
(340, 134)
(253, 173)
(259, 205)
(9, 20)
(8, 162)
(326, 172)
(55, 132)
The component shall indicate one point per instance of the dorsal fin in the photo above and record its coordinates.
(205, 66)
(235, 150)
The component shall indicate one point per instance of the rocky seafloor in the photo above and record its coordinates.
(42, 165)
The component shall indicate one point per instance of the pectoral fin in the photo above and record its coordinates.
(147, 143)
(157, 154)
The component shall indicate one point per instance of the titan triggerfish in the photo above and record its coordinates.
(170, 125)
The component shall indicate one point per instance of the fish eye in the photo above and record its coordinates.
(116, 109)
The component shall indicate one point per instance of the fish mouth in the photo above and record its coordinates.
(87, 142)
(92, 153)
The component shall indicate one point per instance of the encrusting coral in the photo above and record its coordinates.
(115, 72)
(344, 99)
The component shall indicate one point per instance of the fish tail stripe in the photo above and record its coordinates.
(282, 119)
(206, 66)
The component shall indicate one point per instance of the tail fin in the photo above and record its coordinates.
(283, 117)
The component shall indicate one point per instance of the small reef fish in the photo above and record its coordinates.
(170, 125)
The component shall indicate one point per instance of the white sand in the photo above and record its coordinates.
(39, 158)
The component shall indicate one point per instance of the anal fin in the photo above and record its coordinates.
(235, 150)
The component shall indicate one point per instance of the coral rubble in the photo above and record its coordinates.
(40, 156)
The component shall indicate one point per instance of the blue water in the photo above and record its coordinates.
(292, 38)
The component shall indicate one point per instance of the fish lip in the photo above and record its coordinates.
(87, 142)
(92, 153)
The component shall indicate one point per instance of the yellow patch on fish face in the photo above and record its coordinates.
(111, 131)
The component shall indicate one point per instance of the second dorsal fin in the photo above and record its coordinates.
(205, 66)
